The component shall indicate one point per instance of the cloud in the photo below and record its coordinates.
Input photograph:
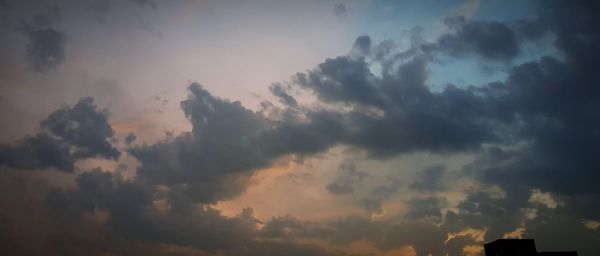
(430, 179)
(429, 207)
(345, 183)
(216, 157)
(45, 49)
(130, 138)
(84, 126)
(342, 79)
(374, 201)
(489, 39)
(284, 97)
(68, 134)
(361, 47)
(139, 212)
(37, 152)
(536, 130)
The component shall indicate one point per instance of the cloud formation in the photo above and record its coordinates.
(45, 49)
(67, 134)
(533, 137)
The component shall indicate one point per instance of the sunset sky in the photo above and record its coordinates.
(350, 128)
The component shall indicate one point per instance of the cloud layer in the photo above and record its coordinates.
(532, 137)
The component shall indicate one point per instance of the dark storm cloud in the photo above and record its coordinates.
(489, 39)
(68, 134)
(215, 157)
(529, 29)
(556, 102)
(84, 126)
(548, 105)
(342, 79)
(37, 152)
(545, 109)
(229, 142)
(413, 118)
(537, 129)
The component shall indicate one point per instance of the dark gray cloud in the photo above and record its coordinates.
(46, 48)
(554, 100)
(132, 215)
(361, 47)
(413, 117)
(37, 152)
(284, 97)
(130, 138)
(46, 45)
(129, 205)
(537, 129)
(529, 29)
(343, 80)
(68, 134)
(215, 157)
(489, 39)
(546, 104)
(84, 126)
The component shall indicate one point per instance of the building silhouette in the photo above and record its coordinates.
(519, 247)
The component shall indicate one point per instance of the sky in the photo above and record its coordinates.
(384, 128)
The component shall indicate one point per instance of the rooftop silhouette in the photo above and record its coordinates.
(519, 247)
